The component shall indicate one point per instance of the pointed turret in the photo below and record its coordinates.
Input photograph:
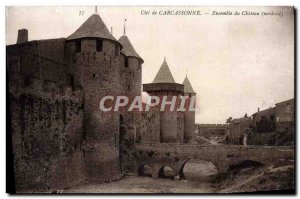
(187, 86)
(189, 116)
(165, 88)
(93, 27)
(128, 48)
(164, 74)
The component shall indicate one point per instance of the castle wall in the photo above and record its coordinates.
(46, 129)
(170, 131)
(50, 68)
(150, 123)
(180, 126)
(43, 59)
(22, 58)
(189, 122)
(171, 122)
(51, 59)
(55, 89)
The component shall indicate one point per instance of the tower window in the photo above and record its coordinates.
(95, 75)
(126, 62)
(77, 46)
(99, 45)
(288, 108)
(117, 50)
(71, 81)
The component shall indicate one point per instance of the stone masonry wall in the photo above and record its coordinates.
(97, 73)
(46, 129)
(150, 131)
(130, 77)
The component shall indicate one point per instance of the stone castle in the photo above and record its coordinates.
(60, 138)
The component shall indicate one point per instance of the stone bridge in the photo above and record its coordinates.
(175, 156)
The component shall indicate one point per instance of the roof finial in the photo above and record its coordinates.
(111, 30)
(186, 73)
(96, 10)
(125, 26)
(164, 58)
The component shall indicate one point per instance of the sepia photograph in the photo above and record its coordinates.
(150, 99)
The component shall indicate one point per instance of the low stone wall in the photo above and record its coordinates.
(211, 130)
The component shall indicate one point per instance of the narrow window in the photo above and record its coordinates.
(288, 108)
(126, 62)
(71, 81)
(77, 46)
(140, 64)
(99, 45)
(117, 50)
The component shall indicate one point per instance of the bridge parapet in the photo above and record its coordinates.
(222, 156)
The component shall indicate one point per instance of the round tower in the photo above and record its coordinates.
(132, 67)
(131, 78)
(189, 116)
(94, 60)
(171, 122)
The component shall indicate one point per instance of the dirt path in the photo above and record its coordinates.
(197, 173)
(139, 184)
(198, 181)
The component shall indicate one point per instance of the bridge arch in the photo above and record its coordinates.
(166, 172)
(145, 170)
(184, 163)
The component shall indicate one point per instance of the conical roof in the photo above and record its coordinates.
(187, 86)
(92, 27)
(128, 49)
(164, 74)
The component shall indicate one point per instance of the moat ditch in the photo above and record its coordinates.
(201, 177)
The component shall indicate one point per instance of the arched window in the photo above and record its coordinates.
(288, 108)
(77, 46)
(126, 62)
(99, 45)
(117, 50)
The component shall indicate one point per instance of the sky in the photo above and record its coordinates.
(235, 63)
